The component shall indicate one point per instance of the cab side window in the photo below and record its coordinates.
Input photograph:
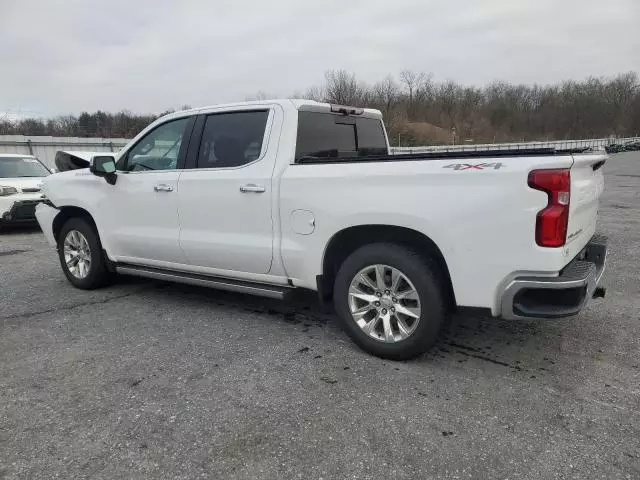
(232, 139)
(159, 149)
(327, 135)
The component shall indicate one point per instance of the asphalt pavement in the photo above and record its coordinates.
(154, 380)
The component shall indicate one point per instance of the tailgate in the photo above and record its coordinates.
(587, 183)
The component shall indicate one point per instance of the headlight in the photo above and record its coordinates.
(4, 191)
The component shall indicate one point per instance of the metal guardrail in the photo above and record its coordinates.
(595, 143)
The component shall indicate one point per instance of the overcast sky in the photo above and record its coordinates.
(66, 56)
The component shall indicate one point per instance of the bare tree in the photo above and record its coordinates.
(411, 80)
(415, 83)
(315, 93)
(342, 88)
(386, 92)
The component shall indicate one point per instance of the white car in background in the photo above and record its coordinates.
(20, 184)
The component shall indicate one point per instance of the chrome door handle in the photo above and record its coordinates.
(252, 188)
(163, 187)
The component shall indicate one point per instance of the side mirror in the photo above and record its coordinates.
(104, 166)
(53, 170)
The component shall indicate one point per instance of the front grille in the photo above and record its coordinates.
(31, 190)
(24, 212)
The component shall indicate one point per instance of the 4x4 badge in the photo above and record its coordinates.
(474, 166)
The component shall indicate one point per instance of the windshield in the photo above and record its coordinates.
(15, 167)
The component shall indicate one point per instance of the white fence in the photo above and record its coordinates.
(45, 148)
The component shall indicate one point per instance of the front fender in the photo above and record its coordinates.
(46, 214)
(77, 189)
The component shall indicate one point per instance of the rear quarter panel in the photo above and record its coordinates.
(483, 220)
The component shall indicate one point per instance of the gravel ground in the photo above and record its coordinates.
(153, 380)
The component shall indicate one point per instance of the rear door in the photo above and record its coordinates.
(225, 198)
(587, 183)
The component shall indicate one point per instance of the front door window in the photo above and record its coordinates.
(158, 150)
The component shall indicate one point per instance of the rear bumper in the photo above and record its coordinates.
(19, 211)
(530, 297)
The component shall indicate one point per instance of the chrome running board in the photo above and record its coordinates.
(231, 285)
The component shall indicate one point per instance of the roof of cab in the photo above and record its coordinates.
(286, 103)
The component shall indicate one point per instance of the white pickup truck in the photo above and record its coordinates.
(266, 197)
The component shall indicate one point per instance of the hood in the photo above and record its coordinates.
(72, 160)
(30, 184)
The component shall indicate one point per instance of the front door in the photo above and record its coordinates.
(225, 201)
(140, 215)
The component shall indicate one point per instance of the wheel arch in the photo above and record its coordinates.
(68, 212)
(348, 240)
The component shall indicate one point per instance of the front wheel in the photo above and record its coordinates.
(81, 256)
(391, 300)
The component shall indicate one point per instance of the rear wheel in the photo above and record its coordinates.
(390, 300)
(81, 256)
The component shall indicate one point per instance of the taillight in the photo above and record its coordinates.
(552, 221)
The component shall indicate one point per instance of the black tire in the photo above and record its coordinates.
(98, 275)
(426, 277)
